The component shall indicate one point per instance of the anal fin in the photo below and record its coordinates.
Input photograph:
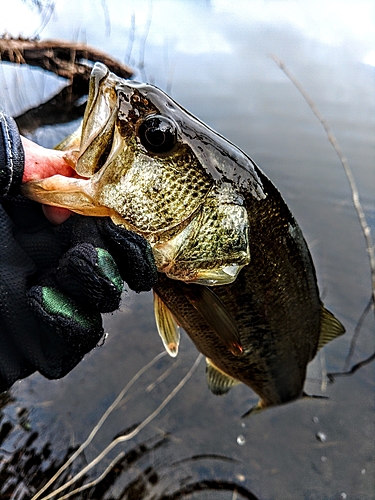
(330, 327)
(218, 382)
(167, 327)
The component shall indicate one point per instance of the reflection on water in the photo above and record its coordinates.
(232, 84)
(30, 467)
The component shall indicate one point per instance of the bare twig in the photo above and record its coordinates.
(353, 369)
(128, 436)
(344, 162)
(65, 59)
(142, 46)
(355, 197)
(96, 481)
(101, 421)
(46, 10)
(131, 38)
(106, 18)
(357, 331)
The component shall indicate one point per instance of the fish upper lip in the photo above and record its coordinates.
(99, 70)
(98, 73)
(99, 115)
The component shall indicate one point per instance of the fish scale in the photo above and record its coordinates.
(153, 209)
(279, 331)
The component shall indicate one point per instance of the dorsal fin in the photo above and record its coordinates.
(167, 327)
(330, 327)
(218, 382)
(208, 304)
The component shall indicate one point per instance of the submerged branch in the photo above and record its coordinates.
(96, 481)
(357, 331)
(124, 437)
(353, 369)
(63, 107)
(101, 421)
(69, 60)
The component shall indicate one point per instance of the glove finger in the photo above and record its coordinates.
(13, 365)
(34, 233)
(68, 331)
(39, 338)
(81, 229)
(132, 253)
(90, 276)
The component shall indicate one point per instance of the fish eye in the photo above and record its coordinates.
(158, 134)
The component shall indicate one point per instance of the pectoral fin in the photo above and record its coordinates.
(218, 382)
(208, 304)
(167, 327)
(330, 327)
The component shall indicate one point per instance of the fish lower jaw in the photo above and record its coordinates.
(215, 277)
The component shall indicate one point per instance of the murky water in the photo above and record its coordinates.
(215, 60)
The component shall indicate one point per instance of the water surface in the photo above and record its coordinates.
(214, 58)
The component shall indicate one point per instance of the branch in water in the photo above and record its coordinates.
(348, 171)
(69, 60)
(65, 59)
(63, 107)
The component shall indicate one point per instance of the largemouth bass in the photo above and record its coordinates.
(234, 269)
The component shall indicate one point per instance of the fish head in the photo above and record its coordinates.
(133, 150)
(159, 171)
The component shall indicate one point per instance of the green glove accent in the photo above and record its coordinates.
(108, 268)
(79, 328)
(56, 303)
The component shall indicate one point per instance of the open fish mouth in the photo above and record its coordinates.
(99, 142)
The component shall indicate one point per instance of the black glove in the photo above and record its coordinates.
(56, 280)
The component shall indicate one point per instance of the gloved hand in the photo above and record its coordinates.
(55, 281)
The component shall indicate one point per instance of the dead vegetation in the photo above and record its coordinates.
(69, 60)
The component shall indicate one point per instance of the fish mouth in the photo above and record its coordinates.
(95, 124)
(100, 141)
(98, 74)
